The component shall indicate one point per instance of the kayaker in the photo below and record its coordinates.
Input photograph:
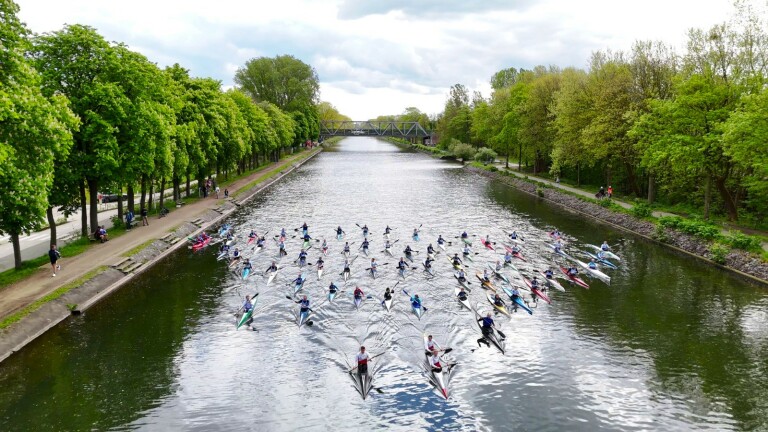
(236, 254)
(224, 248)
(605, 245)
(486, 328)
(415, 301)
(415, 232)
(346, 248)
(430, 249)
(513, 235)
(387, 230)
(592, 264)
(303, 304)
(601, 255)
(515, 294)
(387, 245)
(332, 288)
(339, 231)
(487, 238)
(456, 260)
(573, 271)
(466, 251)
(247, 265)
(304, 227)
(440, 239)
(260, 242)
(362, 361)
(555, 234)
(535, 283)
(247, 307)
(462, 295)
(320, 263)
(558, 246)
(364, 245)
(358, 294)
(325, 244)
(497, 301)
(499, 265)
(374, 264)
(307, 237)
(346, 267)
(461, 276)
(387, 295)
(548, 273)
(302, 257)
(281, 246)
(486, 276)
(508, 257)
(299, 280)
(402, 265)
(515, 249)
(252, 234)
(464, 235)
(434, 361)
(283, 234)
(365, 230)
(272, 268)
(431, 345)
(408, 251)
(428, 263)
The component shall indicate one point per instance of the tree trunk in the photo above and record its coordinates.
(93, 186)
(51, 223)
(176, 188)
(151, 194)
(730, 205)
(119, 203)
(707, 195)
(187, 194)
(143, 198)
(651, 189)
(578, 174)
(83, 211)
(161, 201)
(520, 157)
(130, 198)
(16, 251)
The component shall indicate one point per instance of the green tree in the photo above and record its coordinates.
(572, 113)
(284, 81)
(34, 131)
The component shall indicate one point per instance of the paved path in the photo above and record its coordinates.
(41, 283)
(626, 205)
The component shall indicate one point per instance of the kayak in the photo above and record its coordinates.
(602, 261)
(345, 274)
(499, 343)
(417, 310)
(319, 272)
(299, 285)
(246, 273)
(222, 255)
(402, 272)
(502, 309)
(388, 250)
(467, 241)
(363, 382)
(483, 283)
(332, 295)
(429, 270)
(302, 318)
(358, 302)
(455, 266)
(251, 239)
(552, 282)
(498, 273)
(339, 236)
(247, 315)
(409, 257)
(302, 262)
(438, 379)
(596, 273)
(465, 284)
(517, 301)
(574, 279)
(415, 237)
(537, 292)
(441, 246)
(456, 292)
(373, 272)
(608, 254)
(199, 245)
(272, 275)
(468, 256)
(388, 303)
(306, 244)
(487, 244)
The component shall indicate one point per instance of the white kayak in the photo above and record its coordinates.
(438, 379)
(456, 292)
(608, 254)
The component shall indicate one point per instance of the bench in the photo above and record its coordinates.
(179, 204)
(131, 224)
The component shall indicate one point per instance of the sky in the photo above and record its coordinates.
(377, 57)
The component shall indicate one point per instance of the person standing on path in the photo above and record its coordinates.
(610, 191)
(144, 220)
(54, 256)
(217, 191)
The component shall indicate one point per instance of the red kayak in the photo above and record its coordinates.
(574, 279)
(251, 240)
(536, 291)
(202, 244)
(517, 255)
(487, 244)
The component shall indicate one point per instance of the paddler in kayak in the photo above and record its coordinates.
(272, 268)
(466, 251)
(339, 231)
(573, 271)
(415, 233)
(508, 257)
(431, 345)
(487, 238)
(430, 249)
(346, 268)
(605, 245)
(387, 295)
(513, 235)
(247, 307)
(332, 288)
(461, 276)
(499, 265)
(358, 294)
(462, 295)
(387, 230)
(487, 329)
(440, 240)
(302, 258)
(305, 228)
(224, 249)
(303, 304)
(497, 301)
(535, 284)
(408, 252)
(365, 230)
(415, 301)
(374, 265)
(260, 242)
(592, 264)
(548, 273)
(558, 246)
(555, 234)
(402, 265)
(283, 234)
(464, 235)
(320, 263)
(247, 265)
(515, 249)
(281, 246)
(486, 276)
(236, 255)
(346, 248)
(364, 246)
(362, 361)
(428, 263)
(307, 237)
(252, 234)
(515, 296)
(435, 362)
(456, 260)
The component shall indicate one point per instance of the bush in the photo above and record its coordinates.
(493, 168)
(661, 234)
(742, 241)
(718, 253)
(641, 210)
(695, 227)
(539, 191)
(485, 155)
(463, 151)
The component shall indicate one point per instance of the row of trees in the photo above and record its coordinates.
(690, 128)
(79, 115)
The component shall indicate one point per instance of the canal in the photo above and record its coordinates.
(671, 344)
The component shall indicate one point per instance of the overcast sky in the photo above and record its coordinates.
(377, 57)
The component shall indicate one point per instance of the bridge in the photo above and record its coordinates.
(399, 129)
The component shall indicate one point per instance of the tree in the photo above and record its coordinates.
(572, 113)
(284, 81)
(34, 131)
(327, 112)
(504, 78)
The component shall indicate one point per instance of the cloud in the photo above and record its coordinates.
(378, 57)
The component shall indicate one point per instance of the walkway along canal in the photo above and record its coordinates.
(670, 344)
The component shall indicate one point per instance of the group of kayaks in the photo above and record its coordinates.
(499, 281)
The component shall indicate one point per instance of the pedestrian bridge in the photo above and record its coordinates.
(331, 128)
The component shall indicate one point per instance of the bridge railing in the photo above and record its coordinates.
(330, 128)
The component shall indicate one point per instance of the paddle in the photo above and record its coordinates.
(241, 307)
(369, 359)
(420, 305)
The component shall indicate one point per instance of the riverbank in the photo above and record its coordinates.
(746, 265)
(34, 305)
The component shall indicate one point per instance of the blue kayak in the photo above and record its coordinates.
(517, 300)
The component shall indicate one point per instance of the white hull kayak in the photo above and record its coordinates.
(438, 379)
(456, 292)
(552, 282)
(388, 303)
(272, 276)
(596, 273)
(608, 254)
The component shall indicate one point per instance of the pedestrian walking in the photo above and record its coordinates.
(217, 192)
(53, 256)
(610, 191)
(226, 193)
(144, 220)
